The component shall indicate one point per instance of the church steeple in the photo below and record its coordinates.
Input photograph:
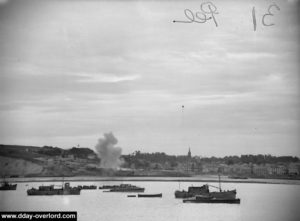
(189, 153)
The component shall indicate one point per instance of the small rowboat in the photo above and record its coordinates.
(131, 195)
(150, 195)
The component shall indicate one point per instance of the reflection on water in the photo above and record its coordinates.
(268, 202)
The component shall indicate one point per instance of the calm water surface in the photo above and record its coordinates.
(266, 202)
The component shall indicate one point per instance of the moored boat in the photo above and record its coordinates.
(131, 195)
(215, 197)
(108, 187)
(192, 191)
(127, 188)
(150, 195)
(7, 186)
(50, 190)
(220, 196)
(85, 187)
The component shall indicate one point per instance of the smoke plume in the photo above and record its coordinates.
(108, 153)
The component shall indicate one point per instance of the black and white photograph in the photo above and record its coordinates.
(150, 110)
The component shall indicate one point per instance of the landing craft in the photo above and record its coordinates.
(50, 190)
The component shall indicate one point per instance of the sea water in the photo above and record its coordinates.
(266, 202)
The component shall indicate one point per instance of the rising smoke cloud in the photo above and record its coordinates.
(108, 153)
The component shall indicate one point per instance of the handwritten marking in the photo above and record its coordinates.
(210, 10)
(264, 16)
(206, 9)
(269, 14)
(254, 18)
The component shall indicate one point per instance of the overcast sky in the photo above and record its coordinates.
(73, 70)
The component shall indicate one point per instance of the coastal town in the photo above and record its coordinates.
(26, 161)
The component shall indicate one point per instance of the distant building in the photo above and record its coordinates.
(293, 169)
(210, 168)
(70, 156)
(277, 170)
(91, 156)
(259, 170)
(189, 154)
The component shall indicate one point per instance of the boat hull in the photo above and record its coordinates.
(34, 192)
(183, 194)
(141, 190)
(230, 201)
(9, 187)
(150, 195)
(230, 195)
(123, 188)
(131, 195)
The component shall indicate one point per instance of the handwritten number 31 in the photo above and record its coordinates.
(264, 16)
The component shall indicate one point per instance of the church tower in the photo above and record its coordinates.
(189, 154)
(188, 161)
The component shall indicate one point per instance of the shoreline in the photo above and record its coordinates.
(209, 179)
